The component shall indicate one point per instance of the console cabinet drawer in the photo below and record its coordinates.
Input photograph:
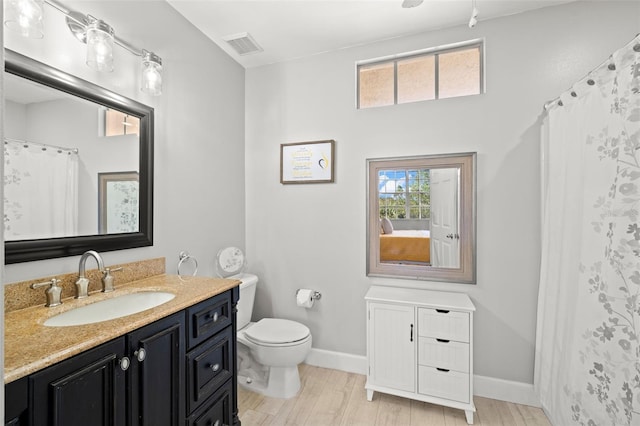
(209, 366)
(216, 411)
(442, 353)
(207, 318)
(451, 384)
(443, 324)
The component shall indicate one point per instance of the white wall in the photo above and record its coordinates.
(314, 235)
(199, 128)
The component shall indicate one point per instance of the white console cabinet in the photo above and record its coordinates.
(420, 346)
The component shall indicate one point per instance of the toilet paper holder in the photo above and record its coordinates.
(316, 295)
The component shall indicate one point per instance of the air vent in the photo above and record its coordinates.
(243, 43)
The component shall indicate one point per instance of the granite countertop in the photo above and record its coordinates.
(31, 346)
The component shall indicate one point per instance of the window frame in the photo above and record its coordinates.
(432, 51)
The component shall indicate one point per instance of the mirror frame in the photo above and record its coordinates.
(466, 273)
(49, 248)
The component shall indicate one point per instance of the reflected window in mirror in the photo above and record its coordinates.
(62, 134)
(421, 217)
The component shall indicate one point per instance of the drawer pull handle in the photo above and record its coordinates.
(442, 311)
(442, 369)
(213, 318)
(443, 340)
(215, 367)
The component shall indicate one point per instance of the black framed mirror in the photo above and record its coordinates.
(108, 212)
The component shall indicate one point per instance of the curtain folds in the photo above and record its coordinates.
(40, 192)
(587, 369)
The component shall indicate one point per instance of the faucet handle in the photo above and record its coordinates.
(107, 279)
(53, 292)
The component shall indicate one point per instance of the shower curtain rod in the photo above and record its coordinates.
(43, 145)
(590, 82)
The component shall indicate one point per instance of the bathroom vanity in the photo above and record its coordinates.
(170, 365)
(420, 346)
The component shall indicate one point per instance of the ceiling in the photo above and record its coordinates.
(289, 29)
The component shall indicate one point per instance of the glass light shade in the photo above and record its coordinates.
(151, 75)
(100, 46)
(25, 17)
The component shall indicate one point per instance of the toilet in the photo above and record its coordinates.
(269, 350)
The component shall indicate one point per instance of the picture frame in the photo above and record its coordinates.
(307, 162)
(118, 202)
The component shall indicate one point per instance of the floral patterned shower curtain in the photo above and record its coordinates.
(40, 192)
(587, 368)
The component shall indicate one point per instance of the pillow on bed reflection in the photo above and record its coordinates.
(387, 226)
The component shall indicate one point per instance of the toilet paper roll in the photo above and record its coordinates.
(304, 298)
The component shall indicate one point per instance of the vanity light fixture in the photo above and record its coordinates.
(26, 16)
(151, 74)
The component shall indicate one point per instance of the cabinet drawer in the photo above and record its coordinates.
(452, 385)
(209, 366)
(216, 411)
(207, 318)
(443, 324)
(442, 353)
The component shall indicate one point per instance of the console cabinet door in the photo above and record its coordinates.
(392, 346)
(88, 389)
(157, 390)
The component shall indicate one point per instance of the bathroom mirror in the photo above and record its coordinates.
(78, 165)
(421, 217)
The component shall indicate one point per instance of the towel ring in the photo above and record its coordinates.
(185, 257)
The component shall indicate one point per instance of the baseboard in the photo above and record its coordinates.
(487, 387)
(505, 390)
(337, 361)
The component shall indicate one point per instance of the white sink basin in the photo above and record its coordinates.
(108, 309)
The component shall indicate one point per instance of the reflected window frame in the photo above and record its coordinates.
(466, 272)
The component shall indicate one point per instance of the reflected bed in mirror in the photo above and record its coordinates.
(421, 217)
(63, 136)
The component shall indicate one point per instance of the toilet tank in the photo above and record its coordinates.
(247, 296)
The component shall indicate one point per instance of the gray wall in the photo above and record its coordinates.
(314, 235)
(199, 128)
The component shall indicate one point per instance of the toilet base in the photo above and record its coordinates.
(280, 382)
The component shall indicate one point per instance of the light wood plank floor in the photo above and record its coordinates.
(331, 397)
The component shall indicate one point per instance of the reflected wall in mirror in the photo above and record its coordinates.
(61, 134)
(421, 217)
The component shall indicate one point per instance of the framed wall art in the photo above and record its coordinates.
(307, 162)
(118, 208)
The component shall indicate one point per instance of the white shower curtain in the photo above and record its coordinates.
(587, 369)
(40, 192)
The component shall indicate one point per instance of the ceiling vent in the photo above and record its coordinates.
(243, 43)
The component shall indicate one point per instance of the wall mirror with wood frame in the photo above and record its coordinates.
(62, 134)
(421, 220)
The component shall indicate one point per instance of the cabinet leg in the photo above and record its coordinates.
(369, 395)
(469, 415)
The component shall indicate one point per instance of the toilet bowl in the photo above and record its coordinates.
(269, 350)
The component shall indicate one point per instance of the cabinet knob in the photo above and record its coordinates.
(125, 363)
(215, 367)
(140, 354)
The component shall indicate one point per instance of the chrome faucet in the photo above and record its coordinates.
(82, 285)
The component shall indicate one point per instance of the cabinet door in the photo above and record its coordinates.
(392, 346)
(88, 389)
(156, 388)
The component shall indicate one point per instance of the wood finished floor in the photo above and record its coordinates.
(331, 397)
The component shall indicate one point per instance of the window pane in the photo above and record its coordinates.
(376, 85)
(416, 79)
(459, 73)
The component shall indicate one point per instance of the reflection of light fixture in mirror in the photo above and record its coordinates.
(100, 45)
(25, 17)
(151, 75)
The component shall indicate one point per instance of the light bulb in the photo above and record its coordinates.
(100, 46)
(25, 17)
(151, 75)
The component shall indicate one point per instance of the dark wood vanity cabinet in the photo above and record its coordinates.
(179, 370)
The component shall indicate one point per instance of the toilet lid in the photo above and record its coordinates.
(273, 331)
